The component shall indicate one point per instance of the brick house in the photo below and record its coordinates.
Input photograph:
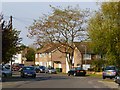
(84, 55)
(49, 55)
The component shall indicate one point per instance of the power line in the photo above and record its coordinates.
(22, 19)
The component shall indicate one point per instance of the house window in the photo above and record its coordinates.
(49, 55)
(43, 55)
(40, 55)
(87, 56)
(98, 56)
(36, 55)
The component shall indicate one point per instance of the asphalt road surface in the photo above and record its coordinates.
(58, 81)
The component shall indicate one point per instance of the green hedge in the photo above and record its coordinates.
(59, 69)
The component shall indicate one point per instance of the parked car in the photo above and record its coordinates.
(21, 65)
(17, 66)
(77, 71)
(117, 79)
(42, 69)
(52, 70)
(6, 72)
(28, 71)
(110, 72)
(37, 69)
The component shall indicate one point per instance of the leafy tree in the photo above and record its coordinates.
(104, 31)
(10, 42)
(98, 65)
(30, 55)
(62, 26)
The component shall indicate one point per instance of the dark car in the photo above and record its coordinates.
(28, 71)
(37, 69)
(42, 69)
(21, 65)
(77, 71)
(110, 72)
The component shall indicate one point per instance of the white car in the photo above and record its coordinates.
(51, 70)
(6, 72)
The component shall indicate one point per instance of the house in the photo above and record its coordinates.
(21, 59)
(49, 55)
(84, 55)
(17, 58)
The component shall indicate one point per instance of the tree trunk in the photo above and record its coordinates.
(70, 59)
(82, 61)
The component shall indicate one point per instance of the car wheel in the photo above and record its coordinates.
(74, 74)
(4, 75)
(34, 76)
(84, 74)
(68, 74)
(22, 76)
(110, 77)
(104, 77)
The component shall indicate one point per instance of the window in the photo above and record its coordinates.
(36, 55)
(28, 68)
(49, 55)
(40, 55)
(87, 56)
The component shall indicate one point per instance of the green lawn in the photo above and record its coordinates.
(95, 75)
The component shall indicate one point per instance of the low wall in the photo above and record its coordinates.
(28, 63)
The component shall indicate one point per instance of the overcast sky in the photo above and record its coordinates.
(24, 12)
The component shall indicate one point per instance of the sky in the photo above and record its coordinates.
(25, 12)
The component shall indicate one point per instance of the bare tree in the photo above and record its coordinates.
(63, 26)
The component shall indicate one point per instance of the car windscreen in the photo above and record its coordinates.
(78, 68)
(42, 67)
(28, 68)
(21, 65)
(110, 68)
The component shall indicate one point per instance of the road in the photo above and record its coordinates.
(58, 81)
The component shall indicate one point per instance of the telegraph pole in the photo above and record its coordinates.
(10, 27)
(10, 24)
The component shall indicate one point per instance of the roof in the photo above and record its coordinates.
(81, 46)
(48, 48)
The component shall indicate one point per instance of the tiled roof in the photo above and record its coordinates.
(48, 48)
(82, 45)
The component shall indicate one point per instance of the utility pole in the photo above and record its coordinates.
(84, 57)
(10, 27)
(10, 24)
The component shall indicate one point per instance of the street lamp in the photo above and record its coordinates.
(85, 54)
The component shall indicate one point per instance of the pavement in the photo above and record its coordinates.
(109, 84)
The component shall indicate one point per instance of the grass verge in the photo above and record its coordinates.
(95, 75)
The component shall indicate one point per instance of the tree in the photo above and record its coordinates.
(10, 41)
(63, 26)
(30, 55)
(104, 32)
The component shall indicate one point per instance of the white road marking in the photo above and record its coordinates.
(96, 86)
(90, 82)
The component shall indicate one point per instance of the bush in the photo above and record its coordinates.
(59, 69)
